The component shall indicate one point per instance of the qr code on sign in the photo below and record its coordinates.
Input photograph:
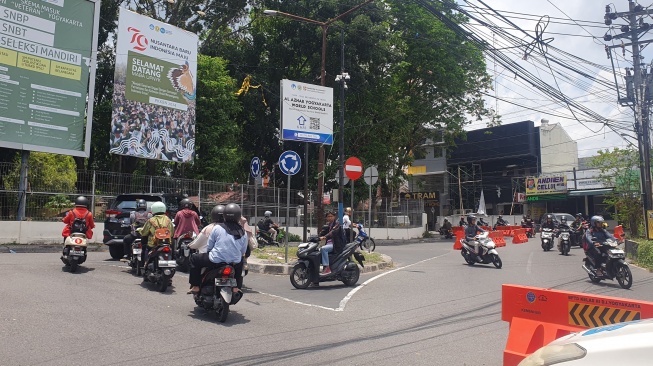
(315, 123)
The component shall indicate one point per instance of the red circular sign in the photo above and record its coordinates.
(353, 168)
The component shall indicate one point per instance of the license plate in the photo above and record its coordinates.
(231, 282)
(137, 251)
(76, 252)
(186, 252)
(616, 251)
(167, 264)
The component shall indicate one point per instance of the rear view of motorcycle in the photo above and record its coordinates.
(137, 255)
(183, 251)
(216, 292)
(74, 252)
(160, 267)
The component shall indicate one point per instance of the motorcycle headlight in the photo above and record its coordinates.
(553, 354)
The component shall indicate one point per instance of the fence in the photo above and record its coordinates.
(50, 195)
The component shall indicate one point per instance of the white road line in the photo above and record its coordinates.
(529, 263)
(297, 302)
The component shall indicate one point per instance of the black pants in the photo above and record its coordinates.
(127, 242)
(201, 260)
(348, 237)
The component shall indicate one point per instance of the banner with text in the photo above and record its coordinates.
(546, 185)
(46, 73)
(306, 112)
(153, 113)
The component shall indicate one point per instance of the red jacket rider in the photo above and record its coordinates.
(80, 211)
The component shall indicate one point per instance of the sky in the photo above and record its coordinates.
(582, 37)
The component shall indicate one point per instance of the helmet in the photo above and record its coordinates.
(549, 217)
(445, 220)
(81, 201)
(217, 214)
(141, 204)
(185, 203)
(597, 219)
(579, 215)
(500, 216)
(232, 213)
(470, 218)
(267, 214)
(563, 219)
(158, 208)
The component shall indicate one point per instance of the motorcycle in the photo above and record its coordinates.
(307, 269)
(529, 232)
(614, 265)
(264, 239)
(564, 241)
(160, 267)
(547, 239)
(488, 250)
(364, 241)
(216, 292)
(497, 224)
(579, 234)
(481, 222)
(74, 252)
(183, 251)
(137, 253)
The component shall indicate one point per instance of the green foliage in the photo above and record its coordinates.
(46, 173)
(619, 170)
(645, 254)
(427, 234)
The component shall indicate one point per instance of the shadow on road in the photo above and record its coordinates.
(80, 269)
(234, 317)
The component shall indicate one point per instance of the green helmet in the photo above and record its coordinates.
(158, 208)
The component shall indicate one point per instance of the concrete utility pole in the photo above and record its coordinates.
(637, 87)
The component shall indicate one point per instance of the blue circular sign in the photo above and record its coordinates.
(530, 297)
(290, 163)
(255, 167)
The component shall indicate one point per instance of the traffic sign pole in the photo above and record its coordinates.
(287, 216)
(289, 170)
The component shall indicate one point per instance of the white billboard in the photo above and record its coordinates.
(306, 112)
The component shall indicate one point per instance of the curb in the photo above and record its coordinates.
(284, 269)
(52, 248)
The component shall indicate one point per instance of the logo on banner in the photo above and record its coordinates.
(139, 40)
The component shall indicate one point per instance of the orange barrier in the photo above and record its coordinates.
(459, 233)
(520, 236)
(619, 233)
(512, 230)
(498, 239)
(537, 316)
(487, 228)
(505, 230)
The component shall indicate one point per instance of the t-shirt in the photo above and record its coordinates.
(346, 223)
(265, 223)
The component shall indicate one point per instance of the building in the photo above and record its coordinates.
(559, 152)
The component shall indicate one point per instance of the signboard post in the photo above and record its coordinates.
(290, 163)
(255, 172)
(371, 177)
(353, 170)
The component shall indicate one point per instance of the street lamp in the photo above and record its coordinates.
(320, 163)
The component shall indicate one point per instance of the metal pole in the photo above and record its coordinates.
(305, 190)
(150, 184)
(320, 161)
(255, 200)
(341, 178)
(351, 216)
(93, 194)
(199, 196)
(242, 196)
(287, 216)
(369, 210)
(22, 185)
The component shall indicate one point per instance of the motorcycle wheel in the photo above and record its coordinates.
(299, 276)
(369, 245)
(182, 264)
(497, 261)
(565, 249)
(624, 276)
(116, 251)
(222, 311)
(139, 270)
(162, 285)
(73, 265)
(468, 259)
(351, 281)
(594, 279)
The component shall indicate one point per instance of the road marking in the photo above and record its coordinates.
(529, 263)
(296, 302)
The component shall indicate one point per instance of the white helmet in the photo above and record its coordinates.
(268, 213)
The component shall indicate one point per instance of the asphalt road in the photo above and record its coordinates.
(431, 309)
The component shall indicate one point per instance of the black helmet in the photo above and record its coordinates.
(563, 219)
(549, 217)
(470, 218)
(185, 203)
(579, 215)
(232, 213)
(141, 204)
(217, 214)
(81, 201)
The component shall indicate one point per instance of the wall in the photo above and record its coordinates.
(559, 152)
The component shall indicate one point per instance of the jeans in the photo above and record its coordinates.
(325, 253)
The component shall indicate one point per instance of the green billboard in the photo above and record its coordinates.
(47, 69)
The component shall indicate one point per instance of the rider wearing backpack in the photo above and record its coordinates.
(137, 219)
(158, 223)
(79, 219)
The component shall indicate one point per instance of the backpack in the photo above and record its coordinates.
(261, 225)
(79, 224)
(160, 233)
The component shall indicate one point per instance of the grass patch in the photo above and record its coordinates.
(645, 254)
(278, 255)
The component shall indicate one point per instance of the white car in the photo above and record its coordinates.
(629, 343)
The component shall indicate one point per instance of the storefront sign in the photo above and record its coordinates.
(430, 199)
(546, 185)
(546, 197)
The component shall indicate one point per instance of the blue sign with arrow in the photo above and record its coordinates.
(255, 167)
(290, 162)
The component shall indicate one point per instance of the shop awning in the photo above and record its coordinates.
(589, 192)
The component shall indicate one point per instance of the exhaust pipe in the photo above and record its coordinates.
(587, 270)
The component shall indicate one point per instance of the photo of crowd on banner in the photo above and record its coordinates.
(151, 131)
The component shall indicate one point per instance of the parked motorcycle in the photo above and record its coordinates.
(216, 292)
(307, 269)
(564, 241)
(614, 265)
(488, 250)
(183, 251)
(74, 252)
(547, 239)
(137, 255)
(365, 242)
(160, 267)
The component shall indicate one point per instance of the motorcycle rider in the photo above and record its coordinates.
(562, 227)
(227, 244)
(335, 240)
(201, 241)
(462, 221)
(482, 222)
(137, 219)
(577, 227)
(78, 220)
(159, 220)
(446, 227)
(267, 226)
(600, 235)
(549, 223)
(471, 230)
(186, 220)
(501, 221)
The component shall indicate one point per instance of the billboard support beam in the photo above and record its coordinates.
(22, 185)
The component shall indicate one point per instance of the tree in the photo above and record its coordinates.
(619, 169)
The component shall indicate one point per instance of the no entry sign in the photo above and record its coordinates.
(353, 168)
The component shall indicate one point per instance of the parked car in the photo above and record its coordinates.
(116, 224)
(556, 219)
(626, 343)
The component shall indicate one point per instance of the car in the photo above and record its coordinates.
(627, 343)
(556, 218)
(116, 224)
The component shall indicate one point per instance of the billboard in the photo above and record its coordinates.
(306, 112)
(153, 113)
(546, 185)
(47, 69)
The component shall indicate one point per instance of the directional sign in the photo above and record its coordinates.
(255, 167)
(591, 316)
(371, 175)
(289, 162)
(353, 168)
(337, 178)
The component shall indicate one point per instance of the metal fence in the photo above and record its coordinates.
(49, 196)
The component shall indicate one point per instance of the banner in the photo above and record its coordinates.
(47, 70)
(546, 185)
(306, 112)
(154, 90)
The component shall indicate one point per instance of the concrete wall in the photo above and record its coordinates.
(559, 152)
